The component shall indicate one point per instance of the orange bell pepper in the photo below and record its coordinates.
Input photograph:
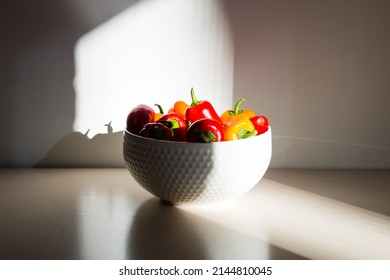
(179, 107)
(236, 112)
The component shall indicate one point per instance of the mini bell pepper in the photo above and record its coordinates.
(177, 124)
(205, 130)
(179, 107)
(139, 117)
(260, 123)
(236, 112)
(200, 110)
(158, 115)
(240, 128)
(157, 131)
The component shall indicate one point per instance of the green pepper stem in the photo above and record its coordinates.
(243, 134)
(236, 110)
(160, 108)
(193, 98)
(208, 136)
(175, 123)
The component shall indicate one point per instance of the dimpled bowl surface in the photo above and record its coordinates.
(197, 173)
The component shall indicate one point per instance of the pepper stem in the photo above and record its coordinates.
(236, 110)
(208, 136)
(160, 108)
(243, 134)
(193, 98)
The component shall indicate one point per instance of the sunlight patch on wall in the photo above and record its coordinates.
(153, 52)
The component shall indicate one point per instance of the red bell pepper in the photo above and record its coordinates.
(177, 124)
(260, 123)
(157, 131)
(200, 110)
(139, 117)
(205, 130)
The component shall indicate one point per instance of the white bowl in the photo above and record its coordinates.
(197, 173)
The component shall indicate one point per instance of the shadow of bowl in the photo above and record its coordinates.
(163, 232)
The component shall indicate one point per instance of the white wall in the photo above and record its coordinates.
(317, 69)
(153, 52)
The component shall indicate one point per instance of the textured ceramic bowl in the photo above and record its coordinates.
(197, 173)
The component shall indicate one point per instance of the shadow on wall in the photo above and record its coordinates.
(37, 38)
(37, 70)
(44, 56)
(77, 150)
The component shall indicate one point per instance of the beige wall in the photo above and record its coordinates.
(320, 71)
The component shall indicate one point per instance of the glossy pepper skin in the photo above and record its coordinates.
(260, 123)
(240, 128)
(205, 130)
(177, 124)
(139, 117)
(230, 115)
(157, 131)
(200, 110)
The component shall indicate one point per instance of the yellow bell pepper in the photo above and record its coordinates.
(236, 112)
(239, 128)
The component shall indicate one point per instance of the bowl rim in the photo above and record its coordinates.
(151, 140)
